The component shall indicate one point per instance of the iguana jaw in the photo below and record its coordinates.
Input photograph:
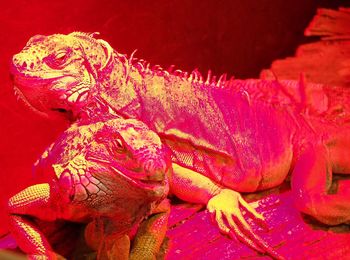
(143, 183)
(40, 108)
(51, 96)
(21, 97)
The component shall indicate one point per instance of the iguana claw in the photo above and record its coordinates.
(225, 210)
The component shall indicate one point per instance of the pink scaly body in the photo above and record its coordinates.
(226, 136)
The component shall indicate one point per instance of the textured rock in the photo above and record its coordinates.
(326, 61)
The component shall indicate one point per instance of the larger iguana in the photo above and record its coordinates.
(226, 136)
(111, 175)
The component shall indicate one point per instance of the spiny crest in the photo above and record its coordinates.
(89, 37)
(249, 89)
(195, 76)
(145, 68)
(84, 34)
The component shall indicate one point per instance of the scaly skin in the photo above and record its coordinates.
(109, 174)
(226, 136)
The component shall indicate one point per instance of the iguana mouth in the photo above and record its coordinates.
(60, 110)
(68, 114)
(145, 184)
(21, 85)
(136, 178)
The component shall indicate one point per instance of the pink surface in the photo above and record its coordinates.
(291, 234)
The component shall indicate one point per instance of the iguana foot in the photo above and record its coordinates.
(225, 210)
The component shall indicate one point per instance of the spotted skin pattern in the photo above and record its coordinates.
(226, 136)
(110, 175)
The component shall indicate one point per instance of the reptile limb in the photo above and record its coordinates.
(146, 244)
(106, 246)
(151, 233)
(311, 184)
(223, 204)
(33, 201)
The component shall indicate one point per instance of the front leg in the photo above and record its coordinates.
(146, 244)
(311, 186)
(224, 205)
(106, 246)
(151, 233)
(35, 201)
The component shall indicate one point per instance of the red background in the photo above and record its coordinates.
(234, 36)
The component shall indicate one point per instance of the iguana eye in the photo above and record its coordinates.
(118, 145)
(58, 60)
(60, 56)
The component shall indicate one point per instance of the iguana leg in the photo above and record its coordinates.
(146, 244)
(223, 204)
(311, 183)
(34, 201)
(108, 246)
(151, 233)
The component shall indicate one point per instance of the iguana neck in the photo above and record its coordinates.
(134, 91)
(115, 91)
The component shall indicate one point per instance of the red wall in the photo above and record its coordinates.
(238, 37)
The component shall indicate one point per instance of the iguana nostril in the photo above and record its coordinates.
(15, 59)
(22, 63)
(17, 62)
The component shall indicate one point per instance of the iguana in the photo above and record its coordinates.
(111, 175)
(227, 136)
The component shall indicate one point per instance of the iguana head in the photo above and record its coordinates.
(119, 158)
(55, 73)
(131, 149)
(115, 169)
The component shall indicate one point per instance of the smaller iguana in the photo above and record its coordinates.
(111, 175)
